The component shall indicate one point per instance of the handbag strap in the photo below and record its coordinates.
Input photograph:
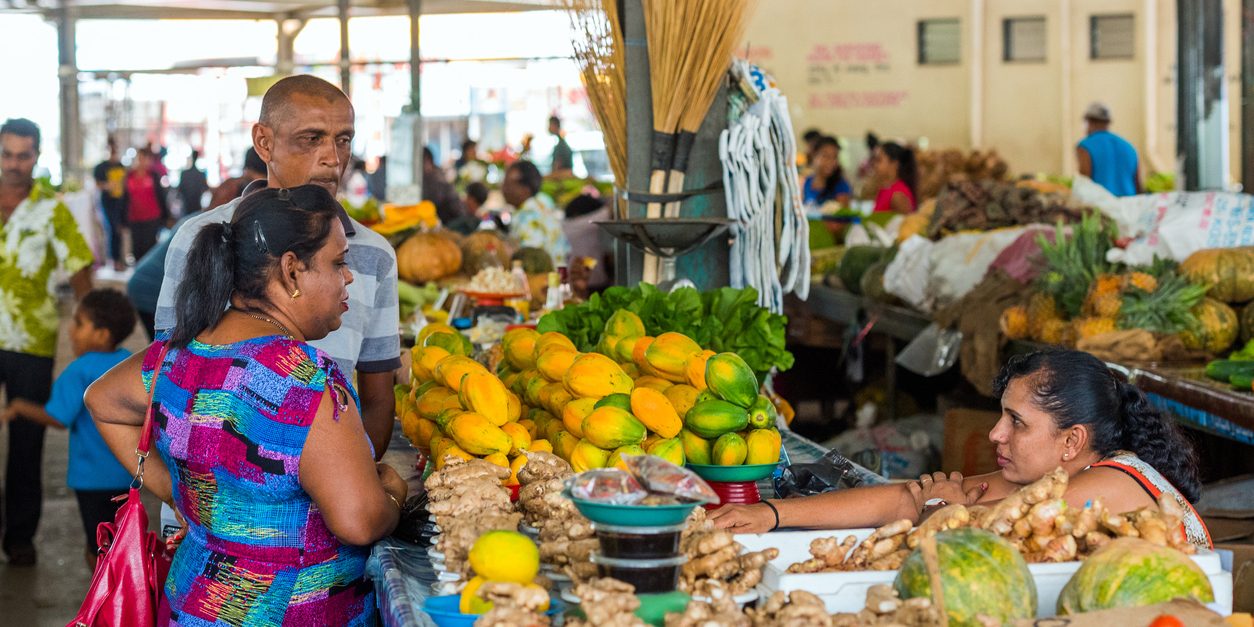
(145, 434)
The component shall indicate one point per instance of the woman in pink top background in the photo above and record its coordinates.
(896, 168)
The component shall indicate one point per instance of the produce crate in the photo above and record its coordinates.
(846, 591)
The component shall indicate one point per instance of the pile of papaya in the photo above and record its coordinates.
(634, 395)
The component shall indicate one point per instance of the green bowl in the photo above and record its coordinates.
(733, 474)
(633, 515)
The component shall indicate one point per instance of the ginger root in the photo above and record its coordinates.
(607, 602)
(513, 605)
(796, 609)
(715, 559)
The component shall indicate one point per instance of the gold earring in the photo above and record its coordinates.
(296, 294)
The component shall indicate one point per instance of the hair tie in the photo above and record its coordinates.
(228, 232)
(259, 238)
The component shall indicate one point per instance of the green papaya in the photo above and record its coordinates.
(731, 379)
(713, 418)
(762, 413)
(696, 448)
(729, 450)
(619, 400)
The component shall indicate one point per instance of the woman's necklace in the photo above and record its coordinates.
(268, 319)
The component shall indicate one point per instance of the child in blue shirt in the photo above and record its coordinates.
(104, 319)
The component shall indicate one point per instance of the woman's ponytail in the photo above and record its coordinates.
(908, 172)
(1156, 439)
(208, 281)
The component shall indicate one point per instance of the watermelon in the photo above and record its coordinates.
(981, 575)
(855, 263)
(1131, 572)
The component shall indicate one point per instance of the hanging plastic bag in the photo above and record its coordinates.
(832, 472)
(906, 277)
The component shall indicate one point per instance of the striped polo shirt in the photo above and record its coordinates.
(368, 339)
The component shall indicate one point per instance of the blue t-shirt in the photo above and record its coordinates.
(816, 197)
(1114, 162)
(92, 464)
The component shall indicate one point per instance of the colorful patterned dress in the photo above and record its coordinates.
(231, 428)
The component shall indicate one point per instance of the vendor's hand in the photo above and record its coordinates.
(938, 485)
(756, 518)
(392, 482)
(172, 543)
(8, 414)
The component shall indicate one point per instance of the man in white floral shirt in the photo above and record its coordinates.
(536, 222)
(40, 246)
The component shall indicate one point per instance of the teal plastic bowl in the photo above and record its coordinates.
(733, 474)
(633, 515)
(444, 611)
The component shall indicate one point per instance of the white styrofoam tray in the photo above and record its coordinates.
(846, 591)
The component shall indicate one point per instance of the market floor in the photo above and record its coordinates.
(49, 594)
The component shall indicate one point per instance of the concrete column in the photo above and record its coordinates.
(67, 74)
(628, 262)
(285, 55)
(1247, 94)
(345, 64)
(1202, 120)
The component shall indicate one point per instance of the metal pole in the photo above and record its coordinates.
(1202, 143)
(1247, 94)
(629, 262)
(415, 88)
(67, 74)
(345, 65)
(285, 54)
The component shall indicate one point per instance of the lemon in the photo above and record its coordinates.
(505, 556)
(470, 603)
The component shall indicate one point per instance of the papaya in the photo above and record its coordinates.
(651, 440)
(564, 444)
(476, 435)
(557, 401)
(574, 412)
(763, 446)
(540, 417)
(451, 451)
(621, 401)
(705, 395)
(656, 412)
(499, 459)
(446, 416)
(713, 418)
(594, 375)
(519, 383)
(682, 397)
(611, 427)
(622, 324)
(515, 465)
(657, 383)
(510, 380)
(519, 346)
(585, 456)
(617, 457)
(451, 369)
(552, 340)
(545, 395)
(514, 413)
(731, 379)
(532, 393)
(520, 439)
(729, 450)
(762, 413)
(624, 348)
(451, 342)
(438, 443)
(554, 363)
(423, 368)
(425, 430)
(668, 356)
(695, 370)
(638, 353)
(541, 445)
(482, 392)
(434, 327)
(431, 402)
(669, 449)
(529, 425)
(551, 428)
(630, 368)
(696, 448)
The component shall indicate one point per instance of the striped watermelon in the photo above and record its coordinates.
(1130, 572)
(981, 575)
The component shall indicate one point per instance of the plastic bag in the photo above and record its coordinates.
(906, 277)
(959, 262)
(663, 477)
(932, 351)
(607, 485)
(832, 472)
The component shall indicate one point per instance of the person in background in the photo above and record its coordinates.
(587, 240)
(826, 182)
(470, 152)
(1105, 157)
(469, 167)
(866, 170)
(806, 150)
(192, 185)
(39, 239)
(563, 156)
(147, 208)
(536, 222)
(437, 189)
(110, 177)
(377, 182)
(898, 174)
(157, 164)
(232, 188)
(103, 320)
(469, 221)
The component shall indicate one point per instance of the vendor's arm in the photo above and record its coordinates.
(378, 408)
(118, 403)
(844, 509)
(1084, 163)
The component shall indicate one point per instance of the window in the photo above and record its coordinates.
(940, 42)
(1023, 39)
(1113, 37)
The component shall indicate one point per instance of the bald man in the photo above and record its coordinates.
(304, 135)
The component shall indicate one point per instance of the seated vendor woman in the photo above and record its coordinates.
(1059, 409)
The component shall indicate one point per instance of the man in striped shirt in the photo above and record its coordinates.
(304, 136)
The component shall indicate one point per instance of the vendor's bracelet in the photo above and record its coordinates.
(773, 511)
(398, 503)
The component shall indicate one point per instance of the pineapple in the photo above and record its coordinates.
(1053, 331)
(1041, 308)
(1091, 326)
(1073, 263)
(1142, 281)
(1104, 298)
(1167, 310)
(1014, 322)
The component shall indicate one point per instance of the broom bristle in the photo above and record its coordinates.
(600, 57)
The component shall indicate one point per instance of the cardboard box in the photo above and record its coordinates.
(1242, 575)
(1228, 508)
(966, 448)
(1189, 612)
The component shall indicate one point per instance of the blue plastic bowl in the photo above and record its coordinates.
(444, 611)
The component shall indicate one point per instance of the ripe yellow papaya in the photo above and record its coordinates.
(515, 465)
(594, 375)
(611, 427)
(515, 406)
(477, 435)
(524, 378)
(529, 425)
(551, 340)
(618, 457)
(621, 401)
(554, 363)
(556, 401)
(564, 444)
(729, 450)
(623, 323)
(510, 380)
(434, 327)
(438, 443)
(551, 428)
(432, 401)
(695, 370)
(682, 397)
(696, 448)
(639, 352)
(624, 348)
(712, 418)
(545, 395)
(656, 412)
(450, 452)
(668, 356)
(451, 369)
(425, 430)
(670, 449)
(532, 393)
(446, 416)
(541, 445)
(586, 456)
(499, 459)
(657, 383)
(731, 379)
(423, 369)
(574, 413)
(763, 446)
(630, 368)
(519, 346)
(482, 392)
(520, 440)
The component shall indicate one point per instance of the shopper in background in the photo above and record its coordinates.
(866, 169)
(377, 182)
(1105, 157)
(39, 239)
(232, 188)
(827, 181)
(470, 152)
(147, 207)
(110, 177)
(103, 320)
(808, 141)
(563, 156)
(536, 222)
(437, 189)
(468, 222)
(587, 240)
(296, 495)
(192, 185)
(898, 175)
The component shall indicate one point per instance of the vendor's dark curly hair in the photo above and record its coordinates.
(1075, 387)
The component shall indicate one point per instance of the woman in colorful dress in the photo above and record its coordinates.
(1059, 409)
(261, 445)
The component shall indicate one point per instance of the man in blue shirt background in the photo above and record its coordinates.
(1107, 158)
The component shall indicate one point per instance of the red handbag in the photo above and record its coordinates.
(127, 588)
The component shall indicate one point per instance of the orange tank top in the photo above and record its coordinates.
(1156, 484)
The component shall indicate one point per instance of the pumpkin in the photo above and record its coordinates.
(1216, 328)
(1247, 323)
(980, 574)
(484, 249)
(1131, 572)
(427, 257)
(1229, 272)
